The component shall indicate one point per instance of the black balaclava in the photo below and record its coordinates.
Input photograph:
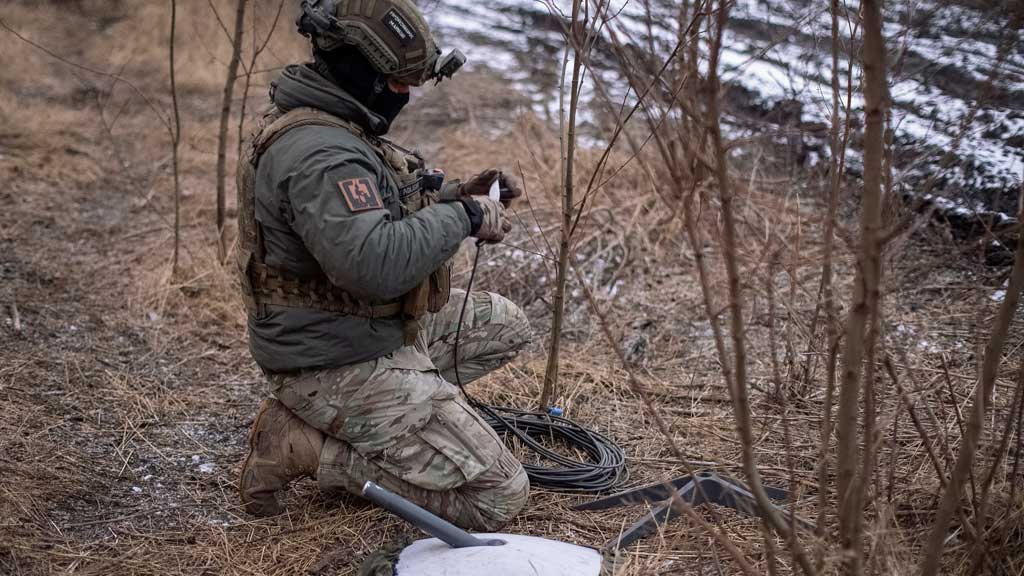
(350, 70)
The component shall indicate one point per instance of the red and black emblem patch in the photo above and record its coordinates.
(360, 194)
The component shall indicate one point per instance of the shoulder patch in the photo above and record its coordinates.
(400, 26)
(360, 194)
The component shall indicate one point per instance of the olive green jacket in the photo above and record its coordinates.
(310, 231)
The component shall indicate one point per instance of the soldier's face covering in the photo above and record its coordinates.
(388, 104)
(354, 74)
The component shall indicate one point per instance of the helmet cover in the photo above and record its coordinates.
(391, 34)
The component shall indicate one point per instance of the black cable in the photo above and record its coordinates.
(606, 465)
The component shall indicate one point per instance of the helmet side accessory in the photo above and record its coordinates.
(391, 34)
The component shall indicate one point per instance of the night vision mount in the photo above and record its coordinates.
(446, 66)
(317, 18)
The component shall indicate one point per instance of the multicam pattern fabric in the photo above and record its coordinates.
(399, 421)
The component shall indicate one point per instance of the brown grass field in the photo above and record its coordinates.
(127, 391)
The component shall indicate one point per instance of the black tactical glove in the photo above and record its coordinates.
(480, 185)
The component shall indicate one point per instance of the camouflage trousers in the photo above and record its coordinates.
(399, 421)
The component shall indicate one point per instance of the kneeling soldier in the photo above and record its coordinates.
(345, 249)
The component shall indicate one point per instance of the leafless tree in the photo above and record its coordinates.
(225, 114)
(574, 38)
(175, 139)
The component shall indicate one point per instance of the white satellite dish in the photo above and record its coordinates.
(519, 556)
(455, 552)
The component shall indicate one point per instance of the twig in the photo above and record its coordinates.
(738, 386)
(621, 125)
(550, 254)
(960, 425)
(1019, 452)
(114, 77)
(249, 70)
(640, 390)
(932, 553)
(981, 544)
(551, 371)
(903, 397)
(862, 326)
(828, 288)
(824, 442)
(225, 113)
(175, 140)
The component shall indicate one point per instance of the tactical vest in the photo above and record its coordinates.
(264, 285)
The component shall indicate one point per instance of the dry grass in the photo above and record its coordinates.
(128, 393)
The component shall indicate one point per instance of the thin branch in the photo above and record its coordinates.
(565, 245)
(249, 70)
(114, 77)
(640, 390)
(175, 140)
(738, 385)
(225, 114)
(981, 544)
(931, 555)
(862, 326)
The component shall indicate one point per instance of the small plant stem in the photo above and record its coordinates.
(565, 243)
(225, 114)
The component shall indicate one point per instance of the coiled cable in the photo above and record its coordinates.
(605, 467)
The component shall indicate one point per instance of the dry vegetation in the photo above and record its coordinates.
(128, 389)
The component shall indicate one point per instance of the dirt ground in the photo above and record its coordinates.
(128, 390)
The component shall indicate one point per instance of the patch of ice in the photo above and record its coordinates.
(136, 489)
(207, 468)
(998, 296)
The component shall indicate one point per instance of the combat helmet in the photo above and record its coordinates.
(391, 34)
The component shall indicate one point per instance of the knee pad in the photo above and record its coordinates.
(500, 504)
(516, 331)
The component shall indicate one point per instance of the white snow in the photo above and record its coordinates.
(518, 39)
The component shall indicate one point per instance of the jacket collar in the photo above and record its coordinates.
(300, 85)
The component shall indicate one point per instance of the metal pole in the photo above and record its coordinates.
(441, 529)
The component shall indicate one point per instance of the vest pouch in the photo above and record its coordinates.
(410, 193)
(244, 261)
(440, 280)
(414, 306)
(440, 288)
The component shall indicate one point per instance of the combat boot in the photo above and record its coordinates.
(282, 448)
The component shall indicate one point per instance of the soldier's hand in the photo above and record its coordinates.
(494, 224)
(510, 189)
(480, 185)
